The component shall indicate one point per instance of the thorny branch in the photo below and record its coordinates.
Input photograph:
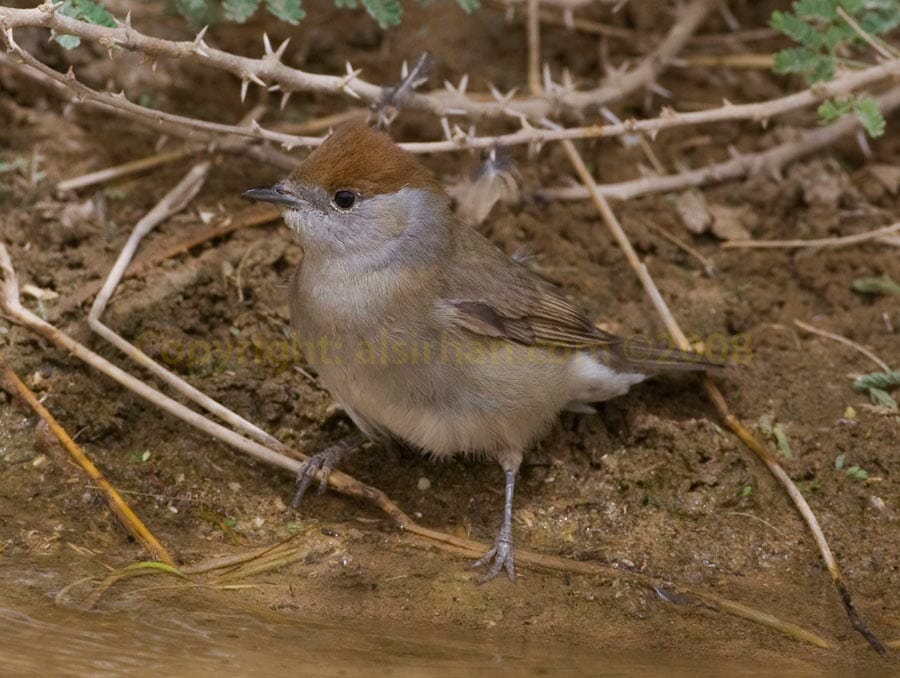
(269, 71)
(771, 161)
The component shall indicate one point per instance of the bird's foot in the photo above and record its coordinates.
(500, 557)
(324, 461)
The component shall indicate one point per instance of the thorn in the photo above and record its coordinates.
(765, 123)
(256, 79)
(404, 70)
(349, 91)
(450, 88)
(274, 88)
(153, 65)
(463, 83)
(128, 19)
(569, 19)
(255, 126)
(280, 51)
(70, 74)
(198, 39)
(245, 84)
(284, 98)
(445, 125)
(267, 46)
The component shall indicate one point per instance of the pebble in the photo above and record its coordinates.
(424, 484)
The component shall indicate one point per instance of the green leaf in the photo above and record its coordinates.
(870, 116)
(857, 473)
(882, 380)
(289, 11)
(781, 438)
(468, 6)
(881, 22)
(796, 29)
(239, 10)
(197, 12)
(83, 10)
(746, 491)
(823, 10)
(386, 12)
(68, 41)
(882, 398)
(882, 285)
(832, 109)
(839, 461)
(800, 60)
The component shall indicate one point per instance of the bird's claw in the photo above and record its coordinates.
(325, 462)
(502, 556)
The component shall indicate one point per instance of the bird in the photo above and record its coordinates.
(428, 334)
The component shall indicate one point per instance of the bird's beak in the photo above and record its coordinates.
(275, 194)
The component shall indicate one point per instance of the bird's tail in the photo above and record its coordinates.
(640, 355)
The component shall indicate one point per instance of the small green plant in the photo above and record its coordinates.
(876, 386)
(828, 34)
(883, 285)
(853, 472)
(83, 10)
(386, 12)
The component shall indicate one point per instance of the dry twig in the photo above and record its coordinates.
(843, 340)
(129, 520)
(771, 161)
(715, 395)
(839, 241)
(268, 70)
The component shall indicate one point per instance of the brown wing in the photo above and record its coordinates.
(502, 298)
(491, 295)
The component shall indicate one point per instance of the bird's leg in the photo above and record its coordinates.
(501, 555)
(324, 461)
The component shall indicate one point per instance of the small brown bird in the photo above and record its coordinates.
(427, 333)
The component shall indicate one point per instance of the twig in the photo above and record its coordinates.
(459, 139)
(253, 216)
(269, 70)
(708, 268)
(123, 170)
(840, 241)
(716, 397)
(534, 47)
(57, 84)
(884, 50)
(771, 161)
(119, 507)
(749, 61)
(843, 340)
(173, 202)
(11, 306)
(320, 124)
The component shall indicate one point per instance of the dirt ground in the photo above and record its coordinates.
(652, 483)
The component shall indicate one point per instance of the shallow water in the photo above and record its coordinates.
(171, 629)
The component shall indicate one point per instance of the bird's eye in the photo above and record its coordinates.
(344, 199)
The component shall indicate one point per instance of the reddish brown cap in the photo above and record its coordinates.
(363, 159)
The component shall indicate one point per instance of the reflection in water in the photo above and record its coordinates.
(196, 632)
(168, 629)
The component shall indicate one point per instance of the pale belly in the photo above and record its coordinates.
(473, 396)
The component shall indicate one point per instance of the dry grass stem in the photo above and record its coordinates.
(843, 340)
(534, 47)
(123, 170)
(718, 399)
(839, 241)
(117, 504)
